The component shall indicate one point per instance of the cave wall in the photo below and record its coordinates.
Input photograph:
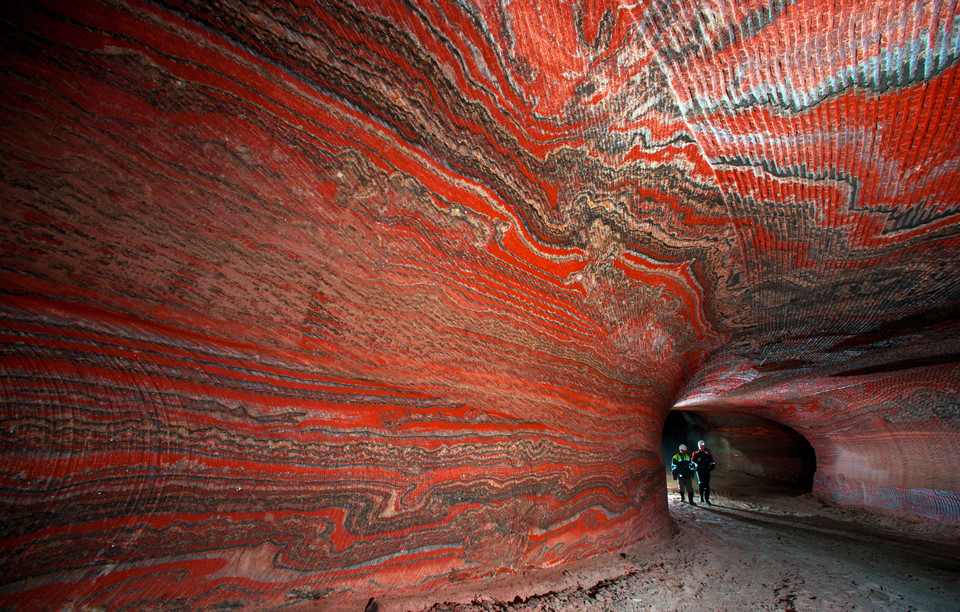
(279, 326)
(315, 300)
(897, 458)
(881, 434)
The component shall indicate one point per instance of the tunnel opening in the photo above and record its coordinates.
(753, 454)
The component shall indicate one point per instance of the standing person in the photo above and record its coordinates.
(705, 464)
(682, 470)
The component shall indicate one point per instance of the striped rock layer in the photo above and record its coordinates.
(307, 300)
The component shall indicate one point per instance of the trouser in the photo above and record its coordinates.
(704, 486)
(686, 484)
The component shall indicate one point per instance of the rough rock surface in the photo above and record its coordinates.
(310, 300)
(760, 548)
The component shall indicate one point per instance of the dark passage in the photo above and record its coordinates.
(752, 453)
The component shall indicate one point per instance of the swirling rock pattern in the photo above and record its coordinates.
(306, 300)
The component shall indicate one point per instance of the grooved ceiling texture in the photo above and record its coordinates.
(305, 300)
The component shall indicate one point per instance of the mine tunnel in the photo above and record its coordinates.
(753, 454)
(344, 304)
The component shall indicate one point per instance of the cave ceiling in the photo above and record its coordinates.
(447, 265)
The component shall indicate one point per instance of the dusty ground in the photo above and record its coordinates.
(757, 550)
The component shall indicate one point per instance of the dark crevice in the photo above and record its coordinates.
(904, 364)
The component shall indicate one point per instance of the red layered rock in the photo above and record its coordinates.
(306, 301)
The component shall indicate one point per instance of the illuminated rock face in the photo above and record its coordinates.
(317, 300)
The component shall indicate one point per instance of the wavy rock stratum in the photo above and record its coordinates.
(303, 301)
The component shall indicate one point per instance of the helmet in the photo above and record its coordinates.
(683, 447)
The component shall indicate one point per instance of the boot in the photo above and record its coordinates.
(707, 495)
(692, 503)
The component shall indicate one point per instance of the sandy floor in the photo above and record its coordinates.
(769, 550)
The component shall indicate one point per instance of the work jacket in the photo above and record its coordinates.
(682, 466)
(704, 461)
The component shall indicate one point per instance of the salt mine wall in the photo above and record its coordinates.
(880, 437)
(303, 302)
(276, 338)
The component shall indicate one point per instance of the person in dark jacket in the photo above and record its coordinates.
(682, 470)
(705, 464)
